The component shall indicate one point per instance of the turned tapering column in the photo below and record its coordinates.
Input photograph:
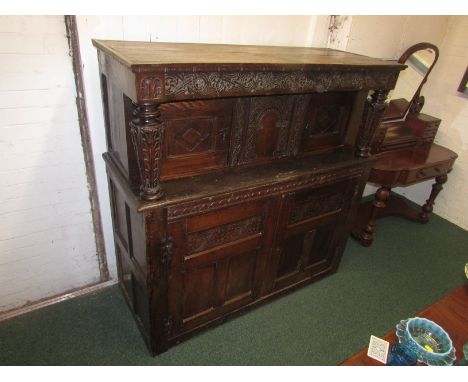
(147, 131)
(381, 196)
(428, 206)
(371, 119)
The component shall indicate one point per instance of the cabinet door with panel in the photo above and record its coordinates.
(218, 262)
(310, 225)
(326, 121)
(197, 136)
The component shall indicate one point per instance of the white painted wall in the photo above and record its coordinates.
(47, 244)
(264, 30)
(388, 37)
(443, 101)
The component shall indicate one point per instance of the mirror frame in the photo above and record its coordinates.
(462, 88)
(417, 102)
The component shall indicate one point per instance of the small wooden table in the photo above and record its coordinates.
(402, 167)
(451, 312)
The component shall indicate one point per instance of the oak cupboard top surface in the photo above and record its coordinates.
(139, 55)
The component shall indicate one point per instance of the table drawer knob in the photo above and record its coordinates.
(421, 174)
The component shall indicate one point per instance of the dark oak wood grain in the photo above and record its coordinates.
(235, 173)
(450, 312)
(170, 99)
(138, 54)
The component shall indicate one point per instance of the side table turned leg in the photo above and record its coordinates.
(428, 207)
(381, 196)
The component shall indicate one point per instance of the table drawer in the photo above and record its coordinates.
(427, 173)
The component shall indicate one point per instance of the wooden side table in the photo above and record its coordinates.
(403, 167)
(450, 312)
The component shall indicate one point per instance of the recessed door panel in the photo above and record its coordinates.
(326, 121)
(196, 137)
(240, 276)
(199, 287)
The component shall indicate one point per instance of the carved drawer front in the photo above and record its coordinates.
(325, 121)
(310, 229)
(217, 263)
(197, 136)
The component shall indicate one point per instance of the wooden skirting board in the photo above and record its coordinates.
(54, 300)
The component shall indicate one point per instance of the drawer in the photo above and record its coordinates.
(317, 203)
(430, 132)
(426, 173)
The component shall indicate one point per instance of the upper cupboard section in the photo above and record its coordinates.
(214, 134)
(206, 135)
(196, 108)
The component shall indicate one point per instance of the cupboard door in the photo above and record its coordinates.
(218, 262)
(197, 136)
(267, 127)
(309, 230)
(326, 121)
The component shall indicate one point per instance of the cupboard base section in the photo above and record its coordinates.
(185, 265)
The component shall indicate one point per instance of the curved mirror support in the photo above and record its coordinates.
(463, 87)
(405, 98)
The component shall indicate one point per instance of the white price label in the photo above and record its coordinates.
(378, 349)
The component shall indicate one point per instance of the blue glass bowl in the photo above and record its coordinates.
(431, 344)
(401, 355)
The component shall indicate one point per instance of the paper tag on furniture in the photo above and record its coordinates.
(378, 349)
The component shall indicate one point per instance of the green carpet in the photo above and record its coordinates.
(408, 267)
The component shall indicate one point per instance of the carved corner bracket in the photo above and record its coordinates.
(147, 132)
(371, 119)
(150, 88)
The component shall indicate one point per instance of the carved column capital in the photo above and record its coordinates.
(371, 119)
(147, 131)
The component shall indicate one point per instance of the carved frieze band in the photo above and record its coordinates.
(214, 202)
(190, 85)
(199, 241)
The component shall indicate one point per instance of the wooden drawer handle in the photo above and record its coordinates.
(420, 174)
(423, 174)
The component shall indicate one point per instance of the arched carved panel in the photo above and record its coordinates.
(267, 128)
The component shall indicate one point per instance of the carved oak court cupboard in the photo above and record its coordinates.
(235, 172)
